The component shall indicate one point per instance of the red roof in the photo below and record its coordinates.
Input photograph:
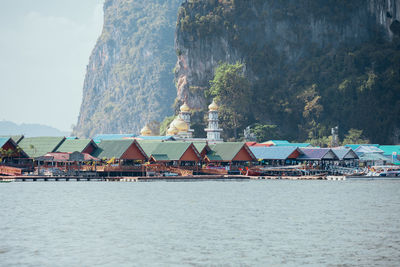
(257, 144)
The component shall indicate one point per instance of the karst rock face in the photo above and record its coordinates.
(154, 52)
(129, 79)
(280, 44)
(207, 35)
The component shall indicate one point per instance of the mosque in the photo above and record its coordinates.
(180, 129)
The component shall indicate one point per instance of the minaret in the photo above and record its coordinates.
(184, 114)
(213, 131)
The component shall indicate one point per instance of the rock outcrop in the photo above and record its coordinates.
(279, 42)
(129, 79)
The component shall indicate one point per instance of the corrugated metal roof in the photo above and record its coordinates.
(39, 146)
(317, 154)
(368, 149)
(345, 153)
(168, 151)
(72, 145)
(224, 151)
(112, 148)
(273, 153)
(355, 146)
(199, 146)
(162, 138)
(295, 144)
(389, 150)
(373, 157)
(148, 146)
(100, 137)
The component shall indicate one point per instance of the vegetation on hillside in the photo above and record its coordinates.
(353, 85)
(129, 81)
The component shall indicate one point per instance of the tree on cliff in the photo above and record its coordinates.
(231, 90)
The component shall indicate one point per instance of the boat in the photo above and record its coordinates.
(276, 171)
(384, 171)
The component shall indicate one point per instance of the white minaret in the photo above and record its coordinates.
(184, 114)
(213, 131)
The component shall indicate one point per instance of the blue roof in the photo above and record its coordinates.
(273, 152)
(100, 137)
(317, 154)
(3, 140)
(163, 138)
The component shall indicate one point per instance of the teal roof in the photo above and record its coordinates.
(389, 150)
(224, 151)
(39, 146)
(100, 137)
(294, 144)
(3, 140)
(277, 142)
(15, 138)
(355, 146)
(161, 138)
(72, 145)
(112, 148)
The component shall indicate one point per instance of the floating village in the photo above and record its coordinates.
(179, 156)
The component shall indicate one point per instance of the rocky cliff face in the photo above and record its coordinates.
(287, 30)
(280, 41)
(129, 79)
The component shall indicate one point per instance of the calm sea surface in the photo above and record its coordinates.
(254, 223)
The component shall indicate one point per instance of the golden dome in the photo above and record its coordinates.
(146, 131)
(180, 124)
(213, 106)
(185, 108)
(172, 130)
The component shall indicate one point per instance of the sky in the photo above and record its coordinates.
(45, 47)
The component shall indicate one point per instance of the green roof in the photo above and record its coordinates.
(72, 145)
(112, 148)
(224, 151)
(165, 151)
(168, 151)
(199, 146)
(39, 146)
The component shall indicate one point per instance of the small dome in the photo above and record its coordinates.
(213, 106)
(185, 108)
(146, 131)
(172, 130)
(180, 124)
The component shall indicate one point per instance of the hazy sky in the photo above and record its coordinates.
(44, 49)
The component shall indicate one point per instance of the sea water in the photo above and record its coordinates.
(253, 223)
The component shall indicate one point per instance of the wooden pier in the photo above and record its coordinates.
(22, 178)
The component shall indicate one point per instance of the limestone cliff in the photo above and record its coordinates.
(289, 46)
(129, 77)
